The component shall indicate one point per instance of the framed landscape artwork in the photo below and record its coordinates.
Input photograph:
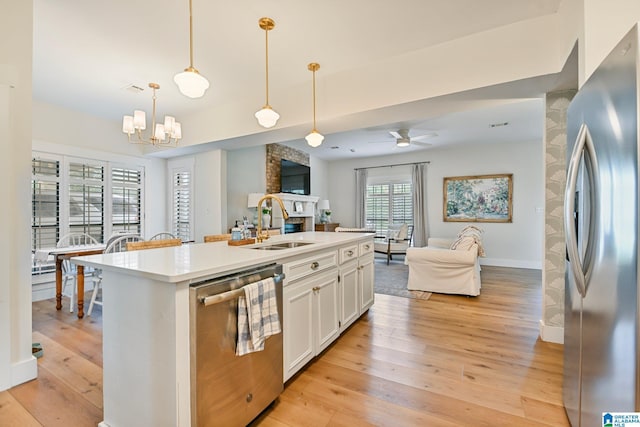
(482, 198)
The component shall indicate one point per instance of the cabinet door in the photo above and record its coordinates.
(365, 282)
(349, 297)
(326, 295)
(298, 342)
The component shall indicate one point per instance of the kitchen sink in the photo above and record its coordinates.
(266, 248)
(281, 245)
(286, 245)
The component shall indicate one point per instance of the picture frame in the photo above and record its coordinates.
(297, 207)
(479, 198)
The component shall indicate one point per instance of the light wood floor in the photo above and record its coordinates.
(448, 361)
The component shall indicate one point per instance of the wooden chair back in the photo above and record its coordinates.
(150, 244)
(217, 238)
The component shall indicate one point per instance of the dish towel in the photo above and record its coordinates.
(258, 316)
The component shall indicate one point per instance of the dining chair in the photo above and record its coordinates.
(69, 271)
(117, 244)
(163, 235)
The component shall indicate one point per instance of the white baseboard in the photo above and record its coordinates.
(553, 334)
(24, 371)
(512, 263)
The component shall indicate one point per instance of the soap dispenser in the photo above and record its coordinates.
(236, 233)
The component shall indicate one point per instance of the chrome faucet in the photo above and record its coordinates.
(260, 236)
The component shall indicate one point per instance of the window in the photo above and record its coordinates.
(86, 199)
(45, 207)
(388, 203)
(81, 195)
(126, 200)
(181, 215)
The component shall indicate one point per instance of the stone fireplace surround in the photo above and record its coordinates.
(305, 215)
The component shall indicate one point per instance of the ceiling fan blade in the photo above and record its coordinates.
(424, 136)
(424, 144)
(395, 134)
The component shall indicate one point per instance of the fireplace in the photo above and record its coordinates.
(293, 227)
(301, 211)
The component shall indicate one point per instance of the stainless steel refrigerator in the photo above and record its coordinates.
(601, 225)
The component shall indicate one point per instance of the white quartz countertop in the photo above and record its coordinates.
(199, 260)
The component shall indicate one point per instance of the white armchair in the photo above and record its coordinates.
(447, 266)
(396, 242)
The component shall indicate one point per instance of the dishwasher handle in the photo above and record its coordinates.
(235, 293)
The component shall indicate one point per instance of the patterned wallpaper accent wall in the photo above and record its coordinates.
(555, 179)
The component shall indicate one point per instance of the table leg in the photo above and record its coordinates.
(80, 280)
(58, 283)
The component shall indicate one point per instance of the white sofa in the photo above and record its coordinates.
(441, 269)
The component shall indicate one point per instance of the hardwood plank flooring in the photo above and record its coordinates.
(447, 361)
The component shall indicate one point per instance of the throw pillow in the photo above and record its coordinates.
(403, 232)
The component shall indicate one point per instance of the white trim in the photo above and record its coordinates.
(553, 334)
(512, 263)
(24, 371)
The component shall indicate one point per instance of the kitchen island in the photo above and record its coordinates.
(146, 318)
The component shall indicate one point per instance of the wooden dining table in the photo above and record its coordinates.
(62, 254)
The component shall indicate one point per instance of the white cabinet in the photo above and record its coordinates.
(366, 275)
(323, 294)
(356, 281)
(365, 282)
(349, 294)
(310, 309)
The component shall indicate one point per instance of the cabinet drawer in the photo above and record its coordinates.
(348, 253)
(313, 264)
(366, 248)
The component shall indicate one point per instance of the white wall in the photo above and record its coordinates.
(246, 173)
(516, 244)
(17, 364)
(210, 188)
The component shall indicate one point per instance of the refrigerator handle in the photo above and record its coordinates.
(583, 146)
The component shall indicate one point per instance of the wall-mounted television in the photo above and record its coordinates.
(294, 178)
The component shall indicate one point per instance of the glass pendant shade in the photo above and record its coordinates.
(127, 124)
(267, 117)
(191, 83)
(139, 120)
(314, 139)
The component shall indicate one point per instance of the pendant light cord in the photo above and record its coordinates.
(266, 41)
(190, 36)
(314, 100)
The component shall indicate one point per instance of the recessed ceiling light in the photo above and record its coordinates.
(497, 125)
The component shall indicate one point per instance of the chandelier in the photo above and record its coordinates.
(314, 138)
(190, 82)
(267, 116)
(161, 134)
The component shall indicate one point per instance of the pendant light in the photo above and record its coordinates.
(267, 116)
(314, 138)
(161, 134)
(190, 82)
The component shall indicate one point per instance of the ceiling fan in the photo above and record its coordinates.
(403, 139)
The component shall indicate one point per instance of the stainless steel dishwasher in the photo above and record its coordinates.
(230, 390)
